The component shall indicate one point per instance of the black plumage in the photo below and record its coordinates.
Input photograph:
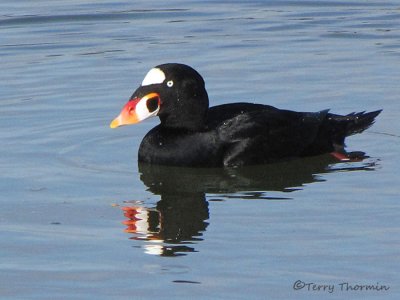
(192, 134)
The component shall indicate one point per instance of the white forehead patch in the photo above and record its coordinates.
(154, 76)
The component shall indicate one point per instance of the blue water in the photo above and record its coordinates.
(81, 220)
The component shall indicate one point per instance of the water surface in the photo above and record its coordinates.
(82, 220)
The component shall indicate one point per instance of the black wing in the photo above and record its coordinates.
(268, 135)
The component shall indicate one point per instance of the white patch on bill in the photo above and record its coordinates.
(154, 76)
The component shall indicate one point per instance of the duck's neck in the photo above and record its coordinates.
(188, 114)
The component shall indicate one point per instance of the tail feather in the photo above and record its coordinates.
(356, 122)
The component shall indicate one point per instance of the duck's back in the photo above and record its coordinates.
(258, 134)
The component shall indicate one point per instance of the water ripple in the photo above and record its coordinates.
(124, 15)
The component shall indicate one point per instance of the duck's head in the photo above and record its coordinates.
(174, 92)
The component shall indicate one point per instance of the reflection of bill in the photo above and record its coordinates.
(139, 220)
(142, 222)
(167, 229)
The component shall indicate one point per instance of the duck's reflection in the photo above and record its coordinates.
(179, 219)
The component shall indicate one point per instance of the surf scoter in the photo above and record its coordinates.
(193, 135)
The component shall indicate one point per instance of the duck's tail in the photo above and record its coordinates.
(343, 126)
(358, 122)
(355, 122)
